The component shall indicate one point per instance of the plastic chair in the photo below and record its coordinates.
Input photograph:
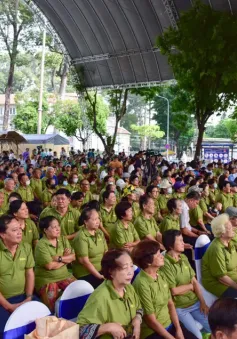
(136, 271)
(201, 246)
(73, 300)
(22, 320)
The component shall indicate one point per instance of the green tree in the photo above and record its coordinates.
(16, 29)
(26, 119)
(202, 53)
(226, 128)
(150, 131)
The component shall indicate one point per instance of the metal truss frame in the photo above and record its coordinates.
(171, 11)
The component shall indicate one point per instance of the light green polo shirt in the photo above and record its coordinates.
(26, 193)
(12, 270)
(154, 296)
(30, 232)
(195, 214)
(47, 195)
(213, 195)
(162, 201)
(226, 199)
(106, 306)
(108, 218)
(235, 199)
(68, 222)
(180, 196)
(217, 262)
(180, 273)
(88, 197)
(169, 223)
(73, 188)
(44, 251)
(145, 226)
(37, 186)
(87, 245)
(204, 204)
(5, 204)
(135, 211)
(122, 235)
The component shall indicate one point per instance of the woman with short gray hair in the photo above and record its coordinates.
(219, 263)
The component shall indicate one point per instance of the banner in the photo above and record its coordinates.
(215, 154)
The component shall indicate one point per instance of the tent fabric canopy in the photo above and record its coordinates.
(12, 137)
(113, 41)
(39, 139)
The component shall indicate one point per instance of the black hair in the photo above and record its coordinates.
(169, 237)
(20, 176)
(85, 215)
(92, 204)
(106, 195)
(45, 222)
(143, 200)
(5, 220)
(144, 252)
(15, 195)
(193, 195)
(132, 178)
(223, 316)
(15, 206)
(109, 262)
(77, 196)
(150, 188)
(121, 208)
(172, 204)
(63, 191)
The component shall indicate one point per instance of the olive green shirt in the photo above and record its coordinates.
(87, 245)
(162, 201)
(88, 197)
(213, 195)
(144, 227)
(154, 296)
(44, 251)
(26, 193)
(235, 199)
(195, 214)
(5, 204)
(30, 232)
(122, 235)
(169, 223)
(37, 187)
(180, 273)
(180, 196)
(46, 196)
(73, 188)
(108, 218)
(13, 270)
(226, 199)
(204, 204)
(106, 306)
(135, 211)
(68, 222)
(217, 262)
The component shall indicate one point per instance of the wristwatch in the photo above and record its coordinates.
(60, 259)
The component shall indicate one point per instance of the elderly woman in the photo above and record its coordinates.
(20, 211)
(113, 309)
(165, 195)
(145, 223)
(219, 263)
(185, 290)
(90, 246)
(153, 192)
(52, 255)
(160, 317)
(48, 192)
(124, 235)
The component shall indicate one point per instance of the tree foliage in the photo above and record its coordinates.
(202, 52)
(26, 119)
(226, 128)
(151, 131)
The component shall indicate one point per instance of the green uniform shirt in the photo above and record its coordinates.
(217, 262)
(108, 218)
(135, 211)
(180, 273)
(154, 296)
(180, 196)
(88, 197)
(226, 199)
(162, 201)
(235, 199)
(122, 235)
(106, 306)
(87, 245)
(26, 193)
(73, 188)
(146, 226)
(12, 270)
(169, 223)
(37, 187)
(204, 204)
(195, 214)
(68, 222)
(44, 251)
(213, 195)
(5, 204)
(47, 195)
(30, 232)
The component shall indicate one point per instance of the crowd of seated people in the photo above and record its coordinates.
(92, 217)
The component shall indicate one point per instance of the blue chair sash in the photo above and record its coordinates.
(69, 309)
(19, 332)
(200, 251)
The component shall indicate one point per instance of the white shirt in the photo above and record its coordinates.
(131, 168)
(184, 217)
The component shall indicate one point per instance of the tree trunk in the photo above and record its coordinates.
(8, 95)
(63, 76)
(201, 130)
